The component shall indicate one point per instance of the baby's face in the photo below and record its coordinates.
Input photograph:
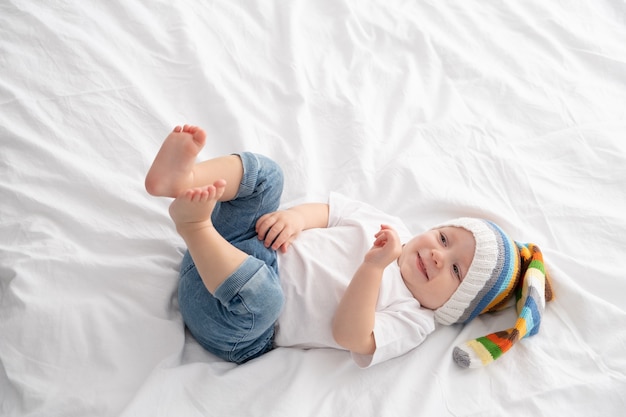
(434, 264)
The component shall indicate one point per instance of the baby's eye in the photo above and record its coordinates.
(457, 271)
(443, 238)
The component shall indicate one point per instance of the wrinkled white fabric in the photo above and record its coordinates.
(512, 111)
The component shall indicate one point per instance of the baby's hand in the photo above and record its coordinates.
(386, 248)
(279, 228)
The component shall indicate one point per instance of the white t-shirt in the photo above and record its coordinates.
(316, 271)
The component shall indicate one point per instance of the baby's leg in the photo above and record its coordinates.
(175, 170)
(215, 258)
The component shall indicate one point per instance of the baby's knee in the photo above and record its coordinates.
(265, 289)
(275, 301)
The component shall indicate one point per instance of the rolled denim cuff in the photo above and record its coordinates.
(233, 284)
(250, 174)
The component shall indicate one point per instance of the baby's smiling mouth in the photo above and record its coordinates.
(421, 265)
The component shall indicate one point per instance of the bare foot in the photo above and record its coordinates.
(192, 208)
(172, 170)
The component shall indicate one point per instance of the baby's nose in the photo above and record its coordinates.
(437, 257)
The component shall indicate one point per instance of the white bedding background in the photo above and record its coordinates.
(510, 110)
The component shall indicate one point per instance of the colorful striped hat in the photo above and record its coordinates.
(501, 268)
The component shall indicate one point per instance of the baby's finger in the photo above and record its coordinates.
(286, 236)
(276, 241)
(381, 238)
(272, 234)
(279, 233)
(284, 246)
(264, 224)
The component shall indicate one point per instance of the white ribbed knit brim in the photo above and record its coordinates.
(486, 256)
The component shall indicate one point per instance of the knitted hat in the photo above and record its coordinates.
(500, 269)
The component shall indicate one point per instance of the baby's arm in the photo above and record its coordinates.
(353, 324)
(278, 229)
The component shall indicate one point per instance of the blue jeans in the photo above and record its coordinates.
(237, 322)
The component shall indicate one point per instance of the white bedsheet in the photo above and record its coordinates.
(509, 110)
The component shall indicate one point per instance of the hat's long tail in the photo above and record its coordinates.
(532, 293)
